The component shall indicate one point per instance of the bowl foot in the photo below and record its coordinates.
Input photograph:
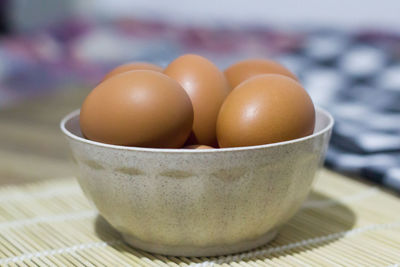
(193, 251)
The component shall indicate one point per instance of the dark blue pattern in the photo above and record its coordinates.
(358, 81)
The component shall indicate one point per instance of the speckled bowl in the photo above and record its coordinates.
(198, 202)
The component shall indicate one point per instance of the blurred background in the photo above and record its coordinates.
(347, 56)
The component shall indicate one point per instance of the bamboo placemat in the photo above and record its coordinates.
(343, 223)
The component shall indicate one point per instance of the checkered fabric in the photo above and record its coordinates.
(358, 80)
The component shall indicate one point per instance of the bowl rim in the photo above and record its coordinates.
(75, 113)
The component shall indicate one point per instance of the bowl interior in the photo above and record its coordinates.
(70, 126)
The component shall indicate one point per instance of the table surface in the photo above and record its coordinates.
(344, 222)
(32, 146)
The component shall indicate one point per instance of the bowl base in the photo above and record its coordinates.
(193, 251)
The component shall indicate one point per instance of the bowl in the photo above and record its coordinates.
(198, 202)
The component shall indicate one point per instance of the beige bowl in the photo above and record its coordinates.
(198, 202)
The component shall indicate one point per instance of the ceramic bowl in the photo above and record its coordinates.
(198, 202)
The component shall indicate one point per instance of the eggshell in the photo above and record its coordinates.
(249, 68)
(138, 108)
(265, 109)
(132, 66)
(207, 89)
(198, 147)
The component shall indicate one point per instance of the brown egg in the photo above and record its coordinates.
(265, 109)
(138, 108)
(246, 69)
(207, 89)
(198, 147)
(132, 66)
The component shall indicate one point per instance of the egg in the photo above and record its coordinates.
(246, 69)
(138, 108)
(207, 89)
(265, 109)
(198, 147)
(132, 66)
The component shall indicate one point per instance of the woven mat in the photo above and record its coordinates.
(343, 222)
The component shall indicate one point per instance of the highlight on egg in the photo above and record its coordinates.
(245, 69)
